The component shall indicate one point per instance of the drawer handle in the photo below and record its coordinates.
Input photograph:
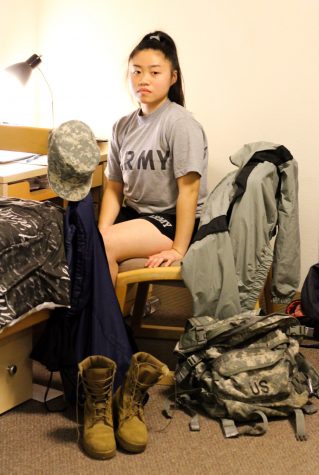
(12, 369)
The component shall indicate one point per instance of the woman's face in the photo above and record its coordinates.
(150, 76)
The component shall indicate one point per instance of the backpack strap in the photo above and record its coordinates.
(278, 156)
(221, 223)
(311, 345)
(184, 400)
(230, 429)
(308, 376)
(306, 332)
(309, 408)
(300, 330)
(301, 434)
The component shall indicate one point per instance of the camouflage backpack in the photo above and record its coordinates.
(245, 368)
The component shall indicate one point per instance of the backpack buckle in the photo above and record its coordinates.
(301, 330)
(201, 336)
(193, 360)
(189, 363)
(185, 369)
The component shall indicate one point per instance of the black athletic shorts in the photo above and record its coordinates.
(166, 223)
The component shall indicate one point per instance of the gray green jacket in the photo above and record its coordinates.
(226, 271)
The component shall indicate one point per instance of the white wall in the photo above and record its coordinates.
(250, 68)
(19, 39)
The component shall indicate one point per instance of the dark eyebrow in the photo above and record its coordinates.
(151, 66)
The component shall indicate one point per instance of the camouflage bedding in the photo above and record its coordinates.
(33, 268)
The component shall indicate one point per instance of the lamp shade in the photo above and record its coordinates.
(23, 70)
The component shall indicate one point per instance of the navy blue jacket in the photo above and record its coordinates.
(94, 324)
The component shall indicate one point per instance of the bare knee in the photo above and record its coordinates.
(110, 243)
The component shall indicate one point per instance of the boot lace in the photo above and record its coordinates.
(137, 399)
(99, 392)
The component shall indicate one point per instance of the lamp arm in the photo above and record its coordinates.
(51, 95)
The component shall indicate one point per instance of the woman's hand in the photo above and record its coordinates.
(165, 257)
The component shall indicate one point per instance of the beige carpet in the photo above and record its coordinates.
(36, 442)
(33, 441)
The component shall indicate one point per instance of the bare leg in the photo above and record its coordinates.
(135, 238)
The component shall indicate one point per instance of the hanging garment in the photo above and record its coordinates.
(93, 325)
(226, 267)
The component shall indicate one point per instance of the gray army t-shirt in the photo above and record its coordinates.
(148, 153)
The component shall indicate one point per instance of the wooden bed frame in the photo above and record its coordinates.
(16, 340)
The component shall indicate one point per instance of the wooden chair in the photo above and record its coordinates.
(133, 286)
(134, 277)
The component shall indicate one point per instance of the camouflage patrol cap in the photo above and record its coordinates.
(73, 155)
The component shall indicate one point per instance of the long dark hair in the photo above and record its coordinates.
(158, 40)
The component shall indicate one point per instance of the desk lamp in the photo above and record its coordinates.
(23, 72)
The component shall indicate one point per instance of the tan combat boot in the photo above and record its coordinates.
(97, 374)
(144, 371)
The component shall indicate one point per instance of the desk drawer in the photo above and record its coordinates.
(22, 190)
(15, 385)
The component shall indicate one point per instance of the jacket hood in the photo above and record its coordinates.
(244, 154)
